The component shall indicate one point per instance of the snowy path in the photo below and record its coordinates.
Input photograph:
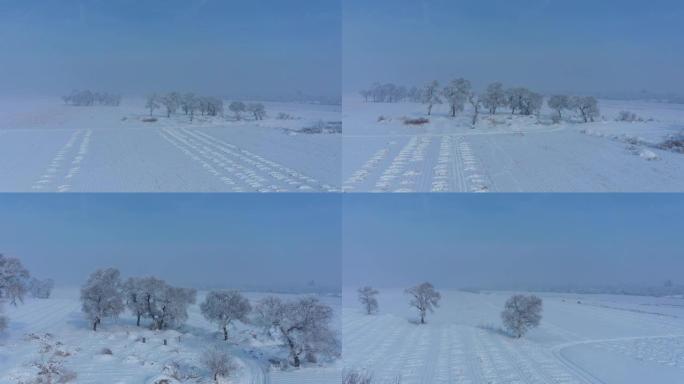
(66, 164)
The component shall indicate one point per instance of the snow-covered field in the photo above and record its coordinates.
(58, 322)
(582, 339)
(507, 153)
(46, 146)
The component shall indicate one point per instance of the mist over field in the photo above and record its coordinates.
(259, 49)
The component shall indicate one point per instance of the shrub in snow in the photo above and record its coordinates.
(424, 298)
(521, 313)
(456, 94)
(416, 121)
(367, 297)
(628, 116)
(101, 296)
(224, 307)
(303, 325)
(106, 351)
(219, 363)
(673, 143)
(356, 377)
(430, 95)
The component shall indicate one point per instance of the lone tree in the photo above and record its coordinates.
(101, 295)
(430, 95)
(368, 299)
(224, 307)
(219, 363)
(424, 298)
(14, 279)
(303, 325)
(521, 313)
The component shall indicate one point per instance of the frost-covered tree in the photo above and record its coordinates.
(494, 97)
(214, 106)
(237, 107)
(152, 103)
(367, 297)
(40, 289)
(139, 294)
(430, 95)
(521, 313)
(559, 103)
(257, 110)
(357, 377)
(219, 363)
(456, 94)
(476, 102)
(13, 279)
(169, 305)
(302, 324)
(101, 296)
(224, 307)
(424, 298)
(171, 101)
(524, 101)
(188, 103)
(587, 106)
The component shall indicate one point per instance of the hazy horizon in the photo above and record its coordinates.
(549, 46)
(263, 49)
(200, 240)
(510, 240)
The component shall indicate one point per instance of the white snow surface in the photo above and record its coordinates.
(608, 339)
(508, 153)
(46, 146)
(60, 321)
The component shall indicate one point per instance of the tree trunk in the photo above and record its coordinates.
(225, 333)
(422, 318)
(137, 323)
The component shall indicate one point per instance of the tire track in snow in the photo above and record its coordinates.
(238, 168)
(51, 177)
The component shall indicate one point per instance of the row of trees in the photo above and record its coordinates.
(521, 312)
(192, 104)
(459, 92)
(89, 98)
(303, 325)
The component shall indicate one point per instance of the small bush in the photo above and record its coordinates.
(354, 377)
(628, 116)
(673, 143)
(106, 351)
(149, 119)
(416, 121)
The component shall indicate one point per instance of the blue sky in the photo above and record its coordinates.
(266, 48)
(223, 240)
(504, 240)
(549, 45)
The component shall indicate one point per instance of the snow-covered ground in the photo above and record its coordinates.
(46, 146)
(58, 322)
(582, 339)
(507, 153)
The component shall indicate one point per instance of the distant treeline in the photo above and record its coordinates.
(89, 98)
